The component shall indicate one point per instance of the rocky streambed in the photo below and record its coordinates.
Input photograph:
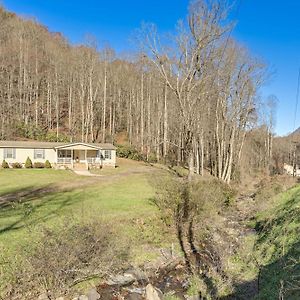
(168, 279)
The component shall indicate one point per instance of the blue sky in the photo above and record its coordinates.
(269, 28)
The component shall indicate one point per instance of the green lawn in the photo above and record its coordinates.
(12, 180)
(47, 198)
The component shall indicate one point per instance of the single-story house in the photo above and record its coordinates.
(289, 169)
(68, 155)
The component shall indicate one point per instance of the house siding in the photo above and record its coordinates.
(109, 162)
(22, 154)
(50, 154)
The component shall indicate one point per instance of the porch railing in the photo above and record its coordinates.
(64, 160)
(93, 160)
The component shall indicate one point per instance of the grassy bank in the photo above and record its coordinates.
(278, 247)
(268, 264)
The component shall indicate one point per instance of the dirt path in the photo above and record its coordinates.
(86, 173)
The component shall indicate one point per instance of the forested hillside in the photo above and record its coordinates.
(189, 100)
(201, 211)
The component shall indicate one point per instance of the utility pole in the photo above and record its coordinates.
(294, 159)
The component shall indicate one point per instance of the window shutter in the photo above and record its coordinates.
(4, 153)
(14, 153)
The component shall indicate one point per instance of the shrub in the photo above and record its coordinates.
(16, 165)
(136, 156)
(152, 158)
(66, 255)
(198, 203)
(52, 137)
(39, 165)
(28, 163)
(124, 151)
(47, 164)
(5, 165)
(30, 131)
(129, 152)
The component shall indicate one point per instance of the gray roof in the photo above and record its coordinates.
(50, 145)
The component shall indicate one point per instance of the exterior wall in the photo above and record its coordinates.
(109, 162)
(290, 170)
(22, 154)
(50, 154)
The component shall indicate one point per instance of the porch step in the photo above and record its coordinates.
(79, 166)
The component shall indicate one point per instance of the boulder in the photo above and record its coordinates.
(136, 290)
(121, 280)
(83, 297)
(43, 297)
(93, 294)
(139, 275)
(134, 297)
(152, 293)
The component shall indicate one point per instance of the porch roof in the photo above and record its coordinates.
(85, 146)
(55, 145)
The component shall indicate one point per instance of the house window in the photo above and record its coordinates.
(99, 155)
(39, 153)
(107, 154)
(64, 153)
(9, 153)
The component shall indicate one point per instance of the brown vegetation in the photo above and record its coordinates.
(189, 102)
(64, 257)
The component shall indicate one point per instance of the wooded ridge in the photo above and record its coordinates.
(190, 100)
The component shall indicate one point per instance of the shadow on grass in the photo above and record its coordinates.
(278, 246)
(277, 280)
(29, 206)
(29, 193)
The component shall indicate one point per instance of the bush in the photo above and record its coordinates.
(125, 151)
(152, 158)
(67, 255)
(39, 165)
(52, 137)
(129, 152)
(16, 165)
(47, 164)
(194, 208)
(28, 163)
(30, 131)
(5, 165)
(136, 156)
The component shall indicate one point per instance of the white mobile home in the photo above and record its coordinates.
(68, 155)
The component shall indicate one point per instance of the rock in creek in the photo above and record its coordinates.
(152, 293)
(43, 297)
(121, 280)
(93, 294)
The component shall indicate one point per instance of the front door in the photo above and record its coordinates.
(79, 155)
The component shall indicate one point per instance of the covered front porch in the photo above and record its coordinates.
(79, 156)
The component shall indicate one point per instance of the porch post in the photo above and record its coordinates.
(86, 163)
(72, 158)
